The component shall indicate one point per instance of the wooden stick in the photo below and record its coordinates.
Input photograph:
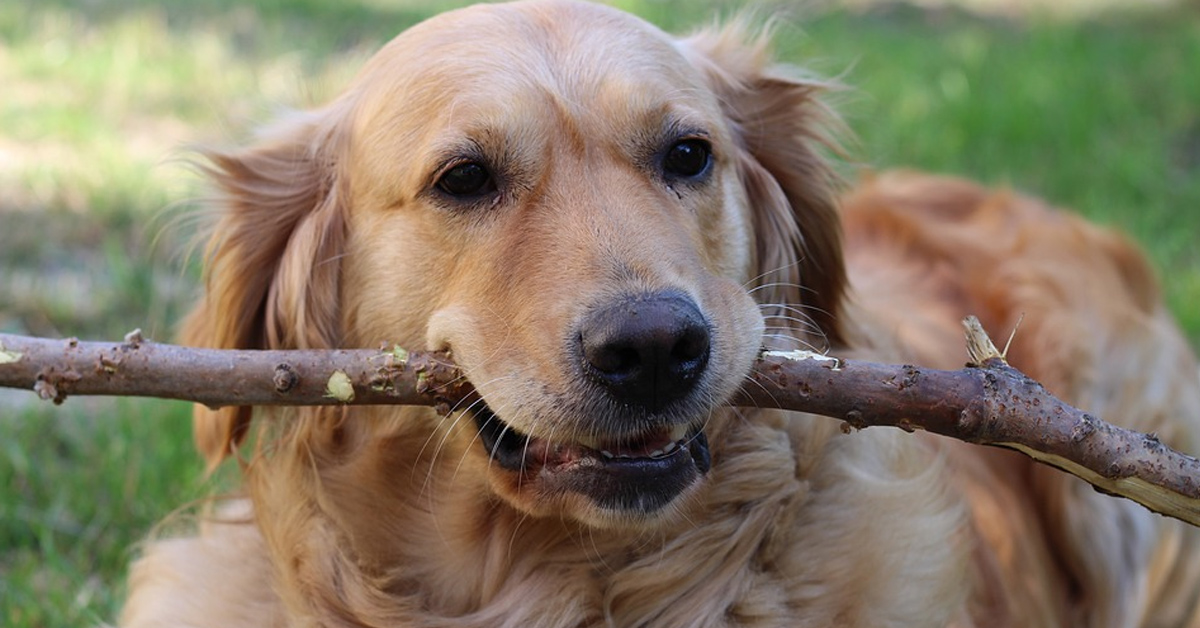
(55, 369)
(987, 403)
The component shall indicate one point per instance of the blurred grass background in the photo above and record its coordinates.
(1093, 106)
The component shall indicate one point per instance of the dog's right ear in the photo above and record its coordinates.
(271, 264)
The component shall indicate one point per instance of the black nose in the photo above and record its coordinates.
(646, 350)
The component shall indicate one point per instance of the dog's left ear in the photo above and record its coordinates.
(782, 128)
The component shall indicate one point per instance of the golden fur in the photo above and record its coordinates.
(336, 232)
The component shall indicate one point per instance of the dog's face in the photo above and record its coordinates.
(564, 198)
(564, 216)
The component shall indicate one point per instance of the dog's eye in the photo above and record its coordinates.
(687, 158)
(467, 179)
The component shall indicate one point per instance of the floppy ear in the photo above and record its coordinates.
(782, 127)
(271, 272)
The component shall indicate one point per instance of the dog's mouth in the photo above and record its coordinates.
(641, 473)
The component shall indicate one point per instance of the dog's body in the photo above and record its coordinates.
(596, 219)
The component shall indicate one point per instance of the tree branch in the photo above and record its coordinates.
(987, 403)
(55, 369)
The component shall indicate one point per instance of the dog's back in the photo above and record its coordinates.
(1089, 323)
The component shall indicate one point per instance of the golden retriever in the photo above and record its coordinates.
(604, 225)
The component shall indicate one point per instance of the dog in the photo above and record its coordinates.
(604, 225)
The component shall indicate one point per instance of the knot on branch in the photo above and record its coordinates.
(52, 384)
(285, 378)
(133, 339)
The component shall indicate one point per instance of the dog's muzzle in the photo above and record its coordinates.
(639, 444)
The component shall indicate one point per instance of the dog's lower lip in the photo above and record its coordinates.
(638, 476)
(517, 452)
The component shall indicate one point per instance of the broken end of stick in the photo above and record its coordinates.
(796, 355)
(979, 345)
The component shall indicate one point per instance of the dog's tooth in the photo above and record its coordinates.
(678, 432)
(606, 454)
(671, 446)
(657, 453)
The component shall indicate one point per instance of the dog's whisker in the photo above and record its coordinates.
(761, 387)
(445, 435)
(525, 456)
(803, 310)
(478, 433)
(332, 258)
(768, 273)
(797, 336)
(594, 548)
(774, 285)
(798, 330)
(799, 310)
(799, 322)
(785, 342)
(458, 415)
(514, 535)
(802, 323)
(447, 431)
(792, 331)
(786, 307)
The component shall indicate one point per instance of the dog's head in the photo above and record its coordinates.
(592, 216)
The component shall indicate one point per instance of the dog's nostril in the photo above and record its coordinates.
(613, 359)
(692, 345)
(648, 350)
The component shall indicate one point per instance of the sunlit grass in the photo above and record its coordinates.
(100, 99)
(81, 485)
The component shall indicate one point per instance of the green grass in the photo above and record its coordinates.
(1101, 118)
(98, 98)
(81, 486)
